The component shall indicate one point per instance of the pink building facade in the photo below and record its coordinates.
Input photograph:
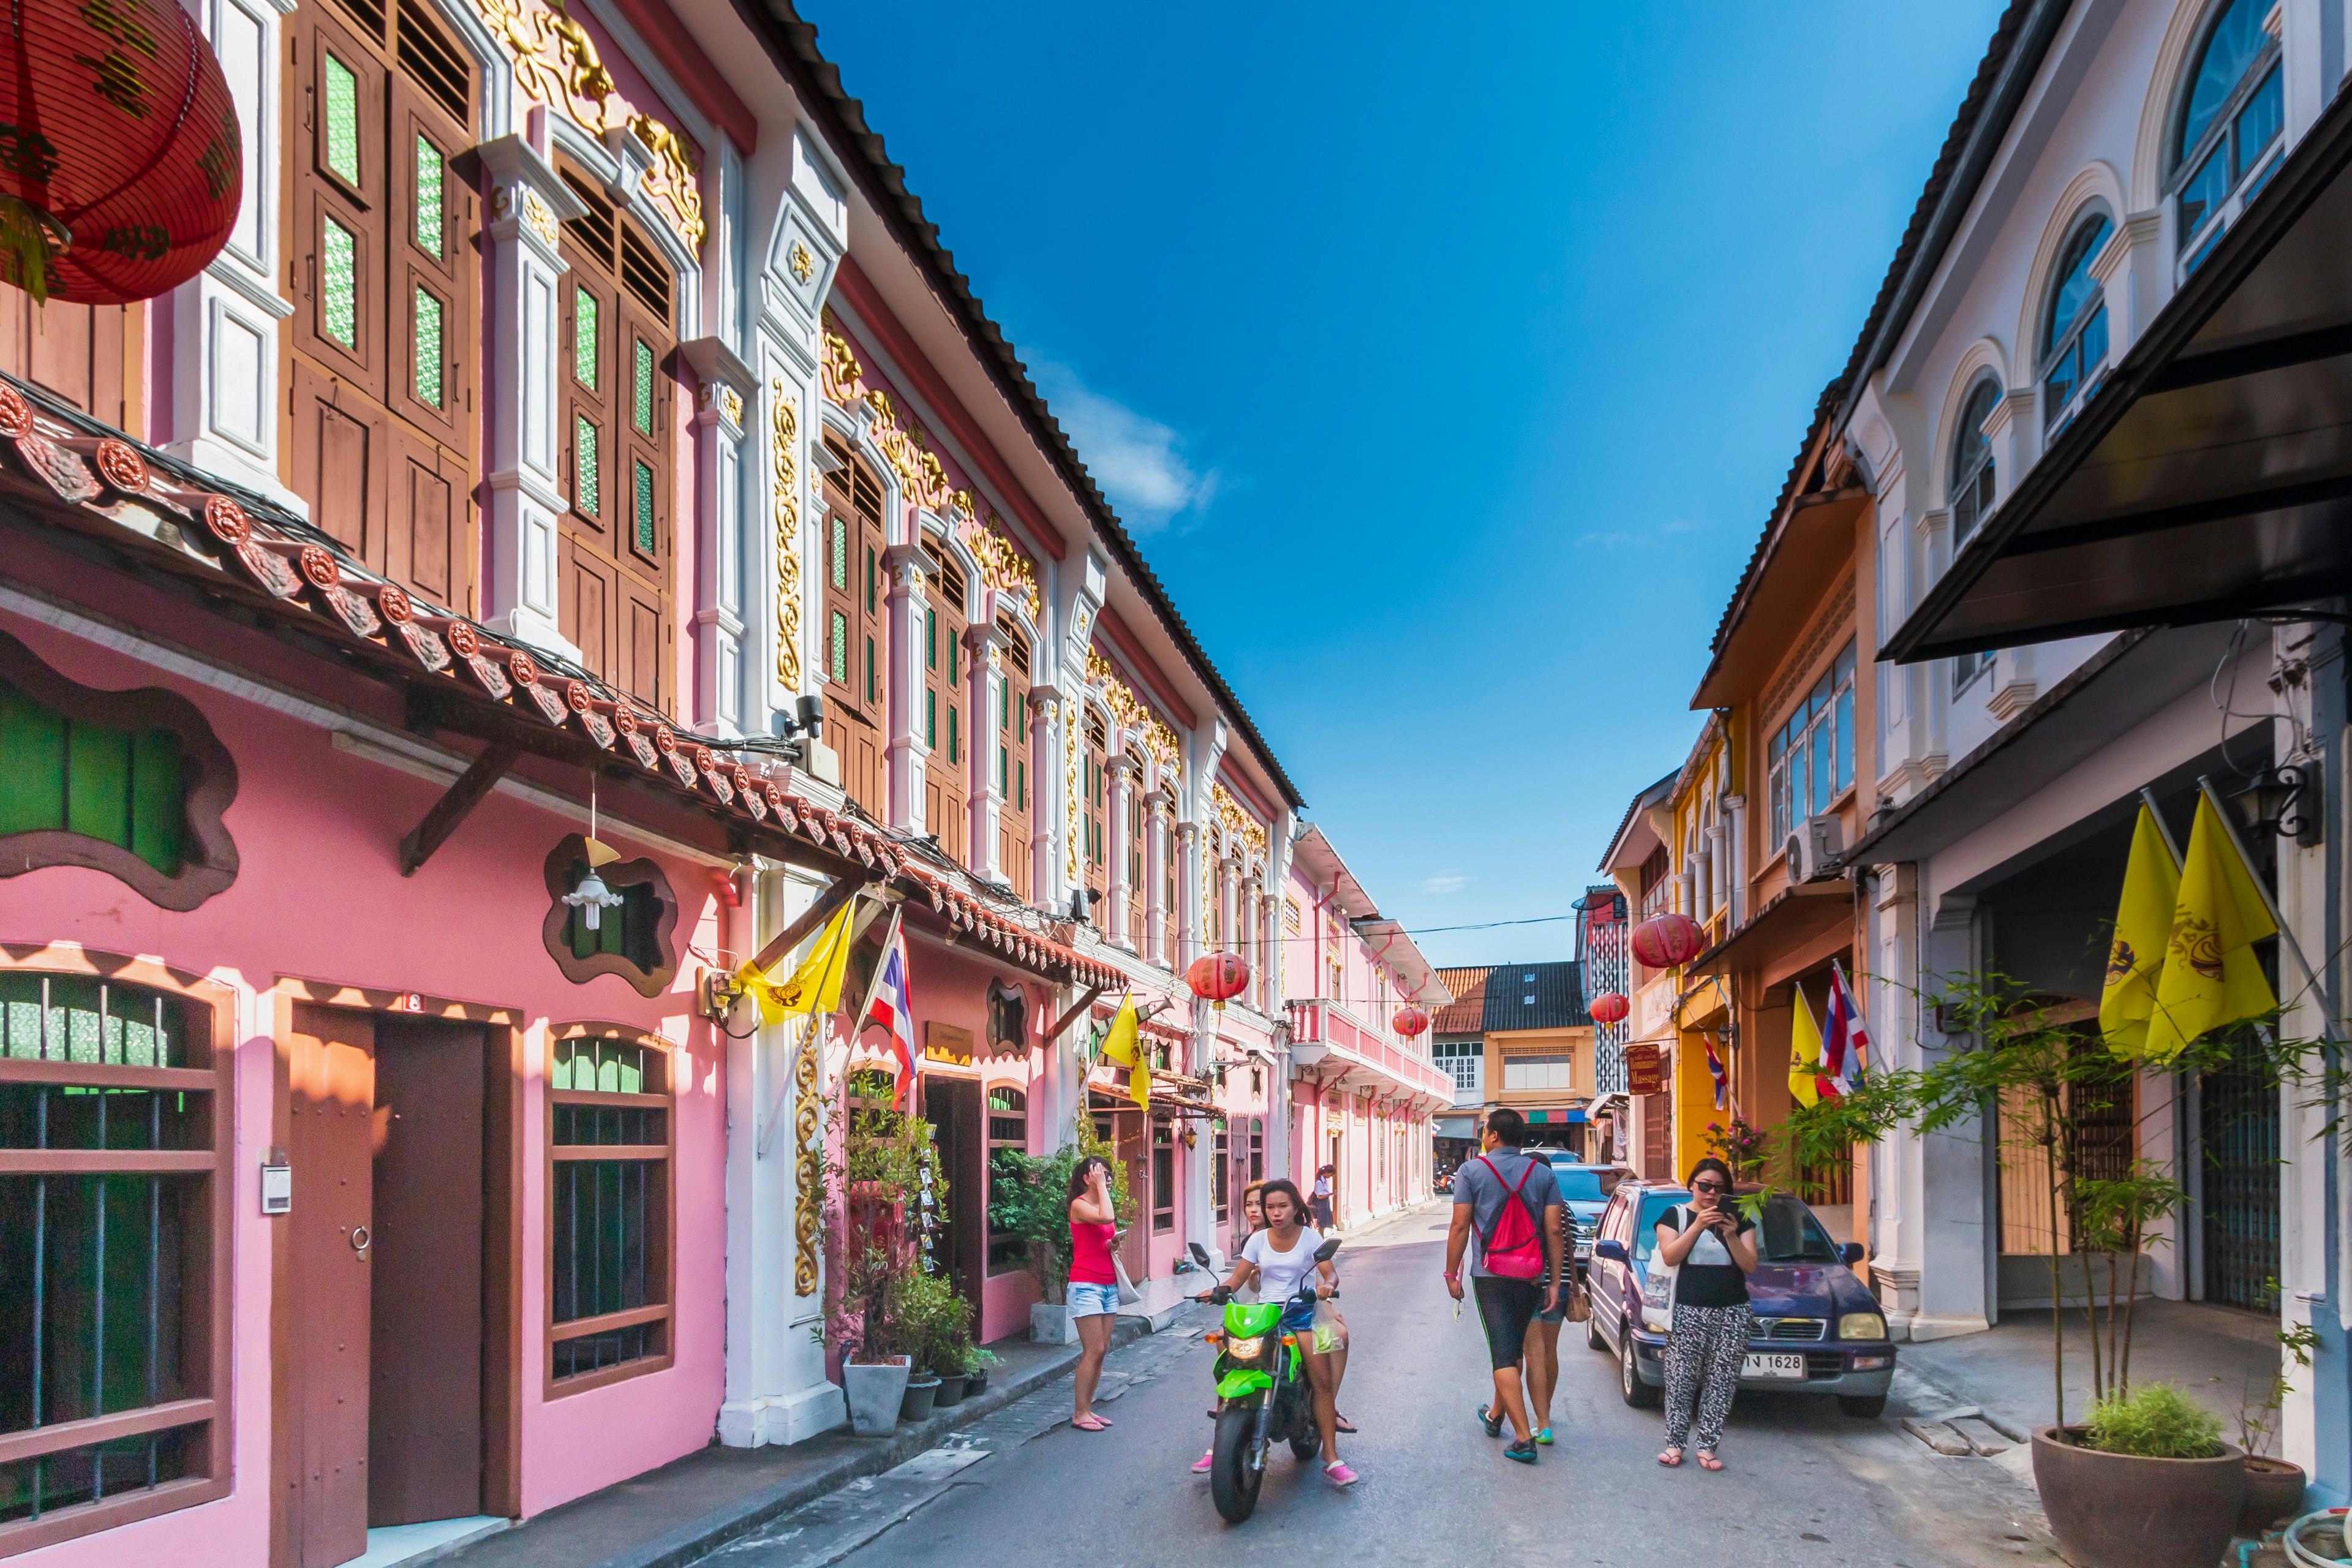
(581, 531)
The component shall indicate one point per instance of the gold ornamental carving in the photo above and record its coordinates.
(556, 63)
(1002, 565)
(1074, 802)
(787, 540)
(808, 1147)
(802, 264)
(1238, 823)
(840, 374)
(1132, 712)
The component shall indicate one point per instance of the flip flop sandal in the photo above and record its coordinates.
(1707, 1461)
(1671, 1463)
(1341, 1424)
(1089, 1424)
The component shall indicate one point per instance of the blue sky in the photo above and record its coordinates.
(1445, 361)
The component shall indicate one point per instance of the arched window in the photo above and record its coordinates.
(1971, 493)
(2074, 326)
(2232, 110)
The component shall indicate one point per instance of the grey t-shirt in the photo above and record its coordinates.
(1476, 1186)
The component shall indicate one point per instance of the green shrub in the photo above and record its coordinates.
(2155, 1421)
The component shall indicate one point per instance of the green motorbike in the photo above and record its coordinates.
(1264, 1396)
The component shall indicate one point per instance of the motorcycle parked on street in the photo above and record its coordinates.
(1261, 1384)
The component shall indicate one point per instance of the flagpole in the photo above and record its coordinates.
(2156, 815)
(2287, 942)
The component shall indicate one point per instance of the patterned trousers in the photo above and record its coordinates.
(1703, 1361)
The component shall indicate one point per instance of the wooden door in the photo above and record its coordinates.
(953, 1107)
(331, 1078)
(424, 1418)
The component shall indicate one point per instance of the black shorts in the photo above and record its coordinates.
(1506, 1307)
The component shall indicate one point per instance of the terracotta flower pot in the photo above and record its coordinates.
(2119, 1510)
(2273, 1492)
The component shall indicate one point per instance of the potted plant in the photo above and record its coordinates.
(951, 1360)
(871, 1258)
(975, 1371)
(1032, 1201)
(2275, 1487)
(873, 1376)
(2145, 1482)
(924, 1312)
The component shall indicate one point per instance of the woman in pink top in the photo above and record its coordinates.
(1094, 1284)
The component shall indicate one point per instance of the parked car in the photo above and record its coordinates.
(1584, 1192)
(1818, 1329)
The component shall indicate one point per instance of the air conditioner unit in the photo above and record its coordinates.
(1814, 847)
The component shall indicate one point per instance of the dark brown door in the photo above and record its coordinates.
(330, 1077)
(424, 1416)
(953, 1106)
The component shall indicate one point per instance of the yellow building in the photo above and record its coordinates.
(1539, 1049)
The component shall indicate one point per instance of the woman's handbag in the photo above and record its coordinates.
(1658, 1289)
(1578, 1298)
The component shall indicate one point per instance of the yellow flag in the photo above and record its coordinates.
(2210, 975)
(815, 985)
(1804, 1053)
(1124, 1044)
(2143, 924)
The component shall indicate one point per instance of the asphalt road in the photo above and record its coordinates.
(1805, 1484)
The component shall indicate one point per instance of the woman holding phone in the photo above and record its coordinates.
(1094, 1282)
(1711, 1246)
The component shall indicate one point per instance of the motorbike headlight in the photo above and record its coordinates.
(1246, 1350)
(1862, 1326)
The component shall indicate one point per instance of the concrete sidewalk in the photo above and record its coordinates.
(691, 1506)
(2216, 1355)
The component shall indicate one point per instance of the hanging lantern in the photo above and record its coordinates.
(592, 898)
(1668, 941)
(1610, 1007)
(1217, 976)
(121, 160)
(1409, 1021)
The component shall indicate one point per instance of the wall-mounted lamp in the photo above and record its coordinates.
(2284, 801)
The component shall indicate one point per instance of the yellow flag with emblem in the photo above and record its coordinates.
(1804, 1053)
(1124, 1044)
(815, 985)
(2143, 928)
(2211, 974)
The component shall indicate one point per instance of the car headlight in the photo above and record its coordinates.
(1862, 1326)
(1246, 1350)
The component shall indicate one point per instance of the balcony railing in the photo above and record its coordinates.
(1323, 1021)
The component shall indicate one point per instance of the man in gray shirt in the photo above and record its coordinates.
(1502, 1175)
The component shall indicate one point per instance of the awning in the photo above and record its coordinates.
(1456, 1127)
(2209, 474)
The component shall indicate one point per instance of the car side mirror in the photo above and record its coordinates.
(1201, 1255)
(1850, 1254)
(1325, 1253)
(1614, 1251)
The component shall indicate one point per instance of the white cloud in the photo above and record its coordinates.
(1446, 882)
(1139, 462)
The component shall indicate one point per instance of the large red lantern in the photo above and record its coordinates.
(1668, 941)
(1610, 1007)
(1410, 1021)
(1217, 976)
(121, 160)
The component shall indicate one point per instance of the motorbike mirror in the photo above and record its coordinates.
(1324, 1253)
(1201, 1255)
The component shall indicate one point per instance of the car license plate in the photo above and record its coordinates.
(1791, 1366)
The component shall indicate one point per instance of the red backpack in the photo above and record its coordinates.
(1515, 1248)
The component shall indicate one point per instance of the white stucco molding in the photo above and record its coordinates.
(1985, 354)
(2095, 183)
(2151, 149)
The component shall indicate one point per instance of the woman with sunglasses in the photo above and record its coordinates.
(1710, 1245)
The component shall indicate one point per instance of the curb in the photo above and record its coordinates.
(871, 1457)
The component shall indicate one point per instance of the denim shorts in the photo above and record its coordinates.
(1092, 1301)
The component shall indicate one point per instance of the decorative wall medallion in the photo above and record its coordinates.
(539, 217)
(803, 265)
(119, 464)
(730, 403)
(788, 540)
(556, 63)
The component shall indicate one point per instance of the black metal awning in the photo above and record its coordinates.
(2209, 476)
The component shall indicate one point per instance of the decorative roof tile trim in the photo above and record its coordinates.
(62, 462)
(819, 81)
(1004, 934)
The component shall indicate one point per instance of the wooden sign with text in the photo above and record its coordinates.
(947, 1043)
(1645, 1073)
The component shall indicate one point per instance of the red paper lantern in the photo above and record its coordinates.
(1409, 1021)
(121, 160)
(1610, 1007)
(1217, 976)
(1668, 941)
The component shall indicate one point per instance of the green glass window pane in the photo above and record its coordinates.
(559, 1075)
(158, 799)
(1003, 765)
(644, 389)
(930, 718)
(869, 669)
(952, 676)
(583, 439)
(584, 339)
(840, 553)
(342, 121)
(930, 640)
(1003, 701)
(97, 783)
(428, 198)
(428, 349)
(869, 580)
(841, 647)
(1020, 772)
(955, 748)
(644, 499)
(33, 776)
(340, 285)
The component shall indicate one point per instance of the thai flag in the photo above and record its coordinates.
(888, 1006)
(1715, 1071)
(1845, 1042)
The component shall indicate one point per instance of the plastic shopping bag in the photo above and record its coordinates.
(1330, 1334)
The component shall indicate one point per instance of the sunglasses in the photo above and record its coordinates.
(1710, 1187)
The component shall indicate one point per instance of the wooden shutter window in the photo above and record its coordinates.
(612, 1142)
(850, 654)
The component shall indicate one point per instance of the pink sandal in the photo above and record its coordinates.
(1340, 1475)
(1670, 1463)
(1205, 1463)
(1707, 1461)
(1089, 1423)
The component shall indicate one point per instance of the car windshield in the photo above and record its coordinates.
(1579, 1184)
(1791, 1235)
(1646, 1235)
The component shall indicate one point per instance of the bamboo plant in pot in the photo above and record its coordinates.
(1032, 1201)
